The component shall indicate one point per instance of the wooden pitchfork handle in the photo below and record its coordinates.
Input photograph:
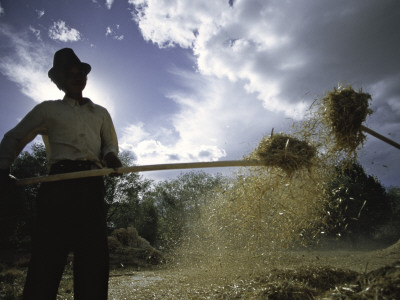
(144, 168)
(381, 137)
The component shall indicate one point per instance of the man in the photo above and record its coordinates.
(78, 135)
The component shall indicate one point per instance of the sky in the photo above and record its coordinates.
(196, 80)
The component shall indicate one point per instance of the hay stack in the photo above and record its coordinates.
(344, 111)
(285, 152)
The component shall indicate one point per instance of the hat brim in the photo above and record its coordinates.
(53, 71)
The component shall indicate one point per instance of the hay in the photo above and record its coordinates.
(261, 211)
(383, 283)
(285, 152)
(343, 112)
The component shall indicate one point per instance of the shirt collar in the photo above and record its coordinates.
(73, 102)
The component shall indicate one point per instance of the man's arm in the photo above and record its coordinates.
(109, 144)
(112, 161)
(17, 138)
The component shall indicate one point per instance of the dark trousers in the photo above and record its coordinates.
(70, 218)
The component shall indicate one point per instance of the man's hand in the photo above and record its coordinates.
(7, 181)
(112, 161)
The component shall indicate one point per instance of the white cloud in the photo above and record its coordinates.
(238, 44)
(112, 32)
(278, 50)
(109, 3)
(149, 150)
(36, 32)
(60, 31)
(40, 13)
(394, 104)
(169, 23)
(278, 54)
(2, 12)
(207, 127)
(27, 65)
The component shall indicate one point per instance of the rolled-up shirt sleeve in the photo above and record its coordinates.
(109, 141)
(17, 138)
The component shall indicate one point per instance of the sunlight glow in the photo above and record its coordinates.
(46, 90)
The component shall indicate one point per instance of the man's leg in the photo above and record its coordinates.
(91, 259)
(50, 244)
(91, 270)
(45, 270)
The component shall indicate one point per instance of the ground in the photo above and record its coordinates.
(294, 275)
(330, 274)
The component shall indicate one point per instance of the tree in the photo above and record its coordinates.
(149, 224)
(394, 199)
(124, 197)
(394, 196)
(358, 204)
(16, 208)
(178, 203)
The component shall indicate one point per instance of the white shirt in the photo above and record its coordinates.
(69, 131)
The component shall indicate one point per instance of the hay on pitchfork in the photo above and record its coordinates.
(285, 152)
(344, 111)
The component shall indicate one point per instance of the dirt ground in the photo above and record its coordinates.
(333, 274)
(293, 275)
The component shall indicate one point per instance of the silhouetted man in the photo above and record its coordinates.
(78, 135)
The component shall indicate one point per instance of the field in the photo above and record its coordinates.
(293, 275)
(324, 274)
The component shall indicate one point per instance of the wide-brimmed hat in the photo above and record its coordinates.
(65, 58)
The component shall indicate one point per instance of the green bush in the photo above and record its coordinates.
(113, 243)
(128, 237)
(358, 205)
(10, 275)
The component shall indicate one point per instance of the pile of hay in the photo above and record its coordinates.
(343, 112)
(383, 283)
(285, 152)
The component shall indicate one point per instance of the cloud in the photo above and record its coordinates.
(278, 50)
(108, 31)
(150, 150)
(159, 20)
(206, 127)
(232, 43)
(36, 32)
(276, 56)
(40, 13)
(27, 63)
(60, 31)
(112, 32)
(109, 3)
(2, 12)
